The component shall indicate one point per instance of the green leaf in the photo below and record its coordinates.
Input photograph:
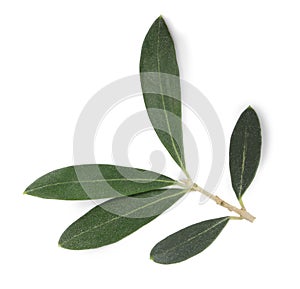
(188, 242)
(117, 218)
(86, 182)
(245, 149)
(161, 88)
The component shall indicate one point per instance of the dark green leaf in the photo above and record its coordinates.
(188, 242)
(245, 147)
(117, 218)
(86, 182)
(161, 88)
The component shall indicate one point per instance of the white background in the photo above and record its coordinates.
(55, 55)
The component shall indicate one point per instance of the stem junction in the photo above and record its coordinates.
(242, 212)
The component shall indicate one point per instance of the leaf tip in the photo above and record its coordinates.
(161, 19)
(60, 244)
(250, 108)
(25, 193)
(152, 256)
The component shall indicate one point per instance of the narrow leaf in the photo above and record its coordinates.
(188, 242)
(245, 149)
(161, 88)
(117, 218)
(86, 182)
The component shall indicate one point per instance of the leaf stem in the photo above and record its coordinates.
(186, 173)
(241, 212)
(242, 204)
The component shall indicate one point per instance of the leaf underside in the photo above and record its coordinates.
(161, 88)
(245, 150)
(188, 242)
(117, 218)
(85, 182)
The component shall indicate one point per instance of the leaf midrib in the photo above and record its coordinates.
(162, 96)
(127, 214)
(98, 181)
(245, 145)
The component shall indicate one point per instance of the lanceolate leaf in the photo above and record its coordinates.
(86, 182)
(117, 218)
(188, 242)
(245, 148)
(161, 88)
